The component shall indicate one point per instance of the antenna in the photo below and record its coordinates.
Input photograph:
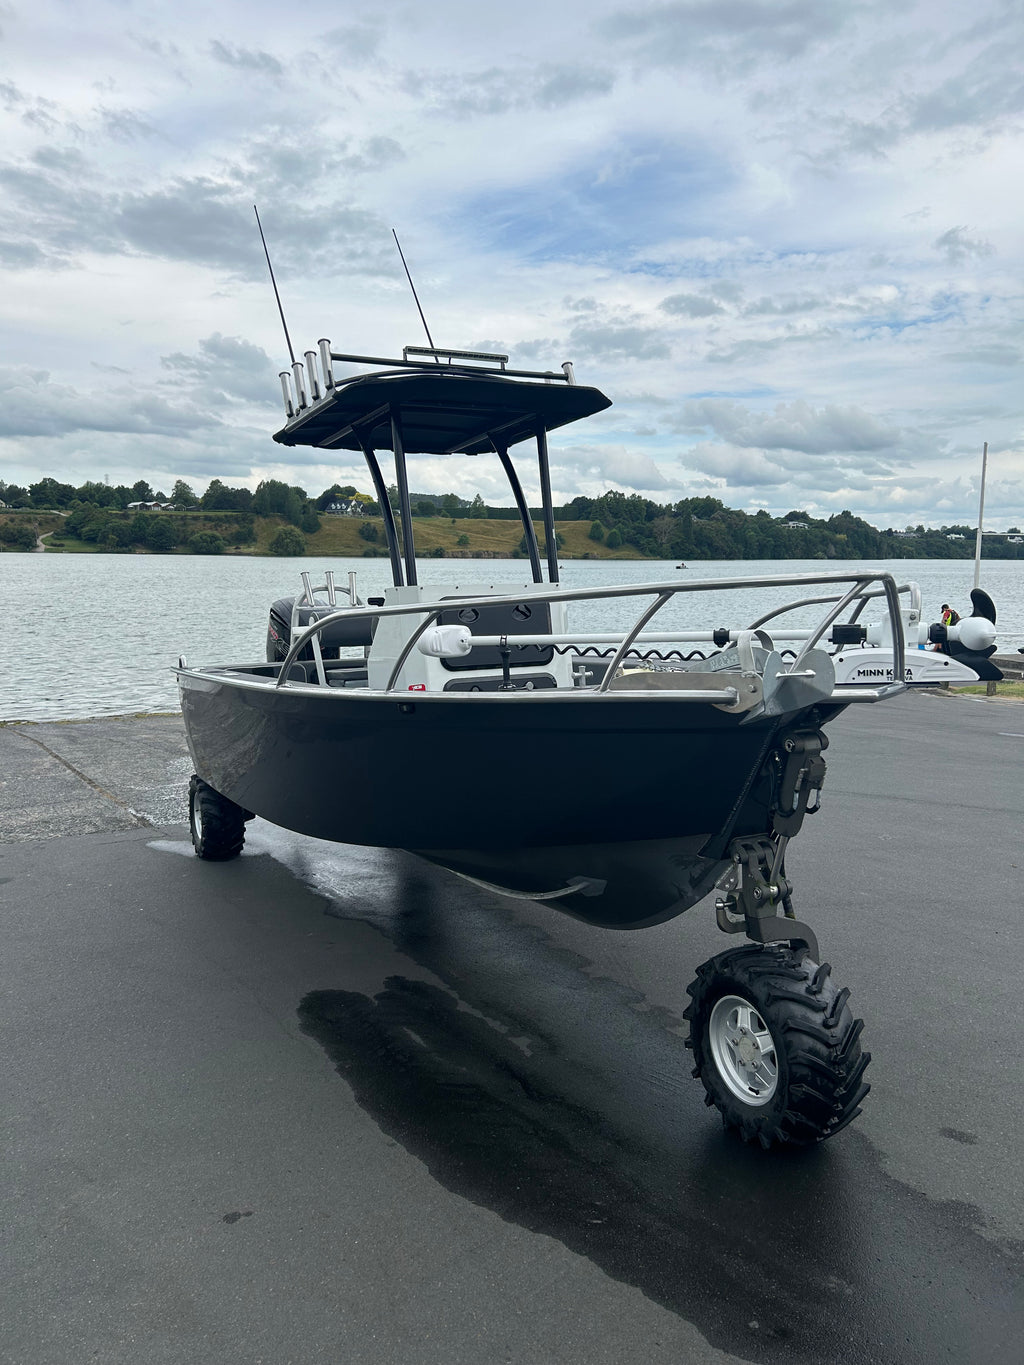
(274, 283)
(981, 518)
(414, 294)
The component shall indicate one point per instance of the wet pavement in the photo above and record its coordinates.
(328, 1103)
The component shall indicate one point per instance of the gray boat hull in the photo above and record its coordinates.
(626, 805)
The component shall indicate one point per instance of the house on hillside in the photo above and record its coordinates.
(344, 507)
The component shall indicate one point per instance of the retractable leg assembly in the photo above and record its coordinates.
(755, 888)
(774, 1042)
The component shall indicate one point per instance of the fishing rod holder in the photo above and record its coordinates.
(325, 363)
(306, 381)
(301, 397)
(312, 376)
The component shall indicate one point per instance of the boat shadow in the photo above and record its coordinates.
(703, 1242)
(570, 1113)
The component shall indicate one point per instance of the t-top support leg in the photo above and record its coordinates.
(545, 499)
(405, 507)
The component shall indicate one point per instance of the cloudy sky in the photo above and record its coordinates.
(782, 235)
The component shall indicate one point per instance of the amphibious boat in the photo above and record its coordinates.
(452, 722)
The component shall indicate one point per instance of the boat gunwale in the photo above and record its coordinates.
(724, 700)
(229, 675)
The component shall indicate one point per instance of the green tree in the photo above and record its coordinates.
(309, 522)
(74, 523)
(288, 541)
(613, 539)
(701, 509)
(579, 509)
(463, 540)
(274, 498)
(212, 499)
(478, 508)
(100, 494)
(49, 493)
(160, 534)
(95, 525)
(141, 492)
(182, 494)
(220, 498)
(206, 543)
(17, 535)
(368, 531)
(596, 531)
(118, 535)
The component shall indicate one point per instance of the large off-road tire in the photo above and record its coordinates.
(217, 824)
(776, 1047)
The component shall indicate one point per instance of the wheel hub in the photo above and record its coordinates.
(743, 1050)
(747, 1050)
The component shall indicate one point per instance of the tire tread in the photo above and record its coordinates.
(222, 823)
(821, 1063)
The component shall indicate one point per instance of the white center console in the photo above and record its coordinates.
(530, 666)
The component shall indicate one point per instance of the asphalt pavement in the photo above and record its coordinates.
(331, 1104)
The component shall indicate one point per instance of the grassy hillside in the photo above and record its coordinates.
(338, 536)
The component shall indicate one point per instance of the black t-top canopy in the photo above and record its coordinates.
(440, 413)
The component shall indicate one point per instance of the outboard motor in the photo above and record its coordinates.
(972, 641)
(340, 635)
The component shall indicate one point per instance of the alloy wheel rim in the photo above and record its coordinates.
(744, 1050)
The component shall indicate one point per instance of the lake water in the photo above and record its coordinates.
(97, 635)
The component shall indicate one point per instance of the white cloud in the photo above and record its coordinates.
(791, 426)
(957, 246)
(606, 466)
(32, 405)
(245, 59)
(755, 224)
(691, 305)
(227, 366)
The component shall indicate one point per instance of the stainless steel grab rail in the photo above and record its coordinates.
(857, 594)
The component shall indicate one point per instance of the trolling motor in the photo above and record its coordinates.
(971, 641)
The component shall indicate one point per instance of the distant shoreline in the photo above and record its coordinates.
(441, 537)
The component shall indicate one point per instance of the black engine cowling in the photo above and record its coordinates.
(335, 637)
